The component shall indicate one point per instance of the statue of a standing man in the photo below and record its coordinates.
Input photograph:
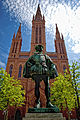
(40, 67)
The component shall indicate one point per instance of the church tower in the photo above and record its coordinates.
(12, 66)
(38, 31)
(16, 44)
(60, 50)
(59, 45)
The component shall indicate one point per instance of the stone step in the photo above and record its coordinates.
(43, 116)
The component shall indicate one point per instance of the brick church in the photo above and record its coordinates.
(17, 58)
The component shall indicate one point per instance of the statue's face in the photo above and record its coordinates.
(39, 48)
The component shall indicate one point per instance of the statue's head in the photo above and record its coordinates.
(39, 48)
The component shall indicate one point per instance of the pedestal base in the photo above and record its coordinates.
(44, 116)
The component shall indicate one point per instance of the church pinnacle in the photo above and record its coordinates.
(18, 36)
(57, 33)
(14, 36)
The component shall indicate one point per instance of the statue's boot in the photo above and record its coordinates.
(49, 105)
(47, 93)
(37, 103)
(37, 92)
(54, 107)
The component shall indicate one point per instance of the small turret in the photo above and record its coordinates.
(43, 17)
(33, 17)
(62, 36)
(57, 33)
(14, 36)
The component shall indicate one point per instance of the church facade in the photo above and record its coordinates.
(18, 58)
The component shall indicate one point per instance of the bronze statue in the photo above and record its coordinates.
(40, 67)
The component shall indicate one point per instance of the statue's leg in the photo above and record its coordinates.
(47, 88)
(47, 92)
(37, 92)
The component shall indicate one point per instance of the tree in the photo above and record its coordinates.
(11, 92)
(62, 93)
(75, 76)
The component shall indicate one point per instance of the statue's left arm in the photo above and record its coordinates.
(52, 67)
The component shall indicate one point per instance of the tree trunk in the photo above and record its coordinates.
(14, 112)
(6, 114)
(68, 115)
(76, 95)
(76, 88)
(67, 110)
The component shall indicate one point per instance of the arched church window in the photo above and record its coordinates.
(62, 48)
(39, 34)
(20, 69)
(13, 48)
(16, 47)
(10, 70)
(64, 68)
(22, 89)
(56, 67)
(36, 34)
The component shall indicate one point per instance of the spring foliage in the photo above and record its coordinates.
(11, 91)
(75, 76)
(62, 92)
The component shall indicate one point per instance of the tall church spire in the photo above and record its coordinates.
(38, 31)
(38, 13)
(18, 36)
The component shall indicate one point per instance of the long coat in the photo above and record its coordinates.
(39, 64)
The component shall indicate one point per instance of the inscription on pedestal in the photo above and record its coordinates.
(43, 110)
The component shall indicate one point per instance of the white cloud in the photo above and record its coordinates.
(2, 64)
(76, 48)
(68, 19)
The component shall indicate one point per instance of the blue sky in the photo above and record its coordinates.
(66, 13)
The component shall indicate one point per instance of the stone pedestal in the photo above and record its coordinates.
(43, 116)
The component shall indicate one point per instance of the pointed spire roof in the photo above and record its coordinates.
(38, 13)
(33, 17)
(62, 36)
(57, 33)
(38, 7)
(43, 17)
(14, 36)
(19, 32)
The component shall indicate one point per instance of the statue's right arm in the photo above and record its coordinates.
(27, 67)
(29, 62)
